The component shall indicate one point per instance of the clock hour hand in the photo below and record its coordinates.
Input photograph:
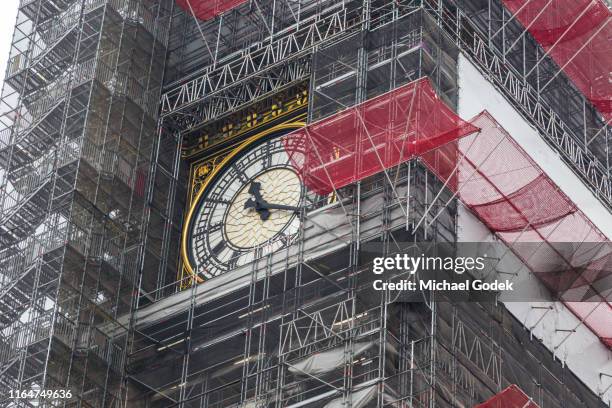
(257, 200)
(255, 191)
(255, 204)
(260, 205)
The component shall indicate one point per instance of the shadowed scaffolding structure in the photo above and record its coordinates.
(93, 193)
(301, 328)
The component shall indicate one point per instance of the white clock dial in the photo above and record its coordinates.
(245, 228)
(248, 209)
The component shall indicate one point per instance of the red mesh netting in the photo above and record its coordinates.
(511, 397)
(490, 173)
(509, 192)
(375, 135)
(207, 9)
(576, 34)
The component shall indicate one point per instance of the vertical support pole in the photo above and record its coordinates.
(584, 124)
(408, 192)
(503, 22)
(432, 356)
(188, 331)
(608, 135)
(411, 373)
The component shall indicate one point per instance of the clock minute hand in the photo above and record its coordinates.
(263, 207)
(256, 201)
(259, 204)
(269, 206)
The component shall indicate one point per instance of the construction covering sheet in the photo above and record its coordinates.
(326, 361)
(207, 9)
(576, 34)
(373, 136)
(511, 397)
(514, 198)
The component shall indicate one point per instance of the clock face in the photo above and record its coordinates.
(246, 211)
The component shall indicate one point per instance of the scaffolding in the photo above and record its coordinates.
(104, 99)
(79, 106)
(516, 200)
(241, 64)
(302, 327)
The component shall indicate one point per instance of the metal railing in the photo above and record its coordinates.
(52, 30)
(33, 182)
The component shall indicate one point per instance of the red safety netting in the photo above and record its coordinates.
(509, 192)
(576, 34)
(488, 171)
(511, 397)
(373, 136)
(207, 9)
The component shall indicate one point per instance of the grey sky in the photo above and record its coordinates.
(8, 13)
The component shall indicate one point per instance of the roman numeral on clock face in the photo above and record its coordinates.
(207, 230)
(224, 201)
(233, 259)
(240, 174)
(218, 248)
(267, 156)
